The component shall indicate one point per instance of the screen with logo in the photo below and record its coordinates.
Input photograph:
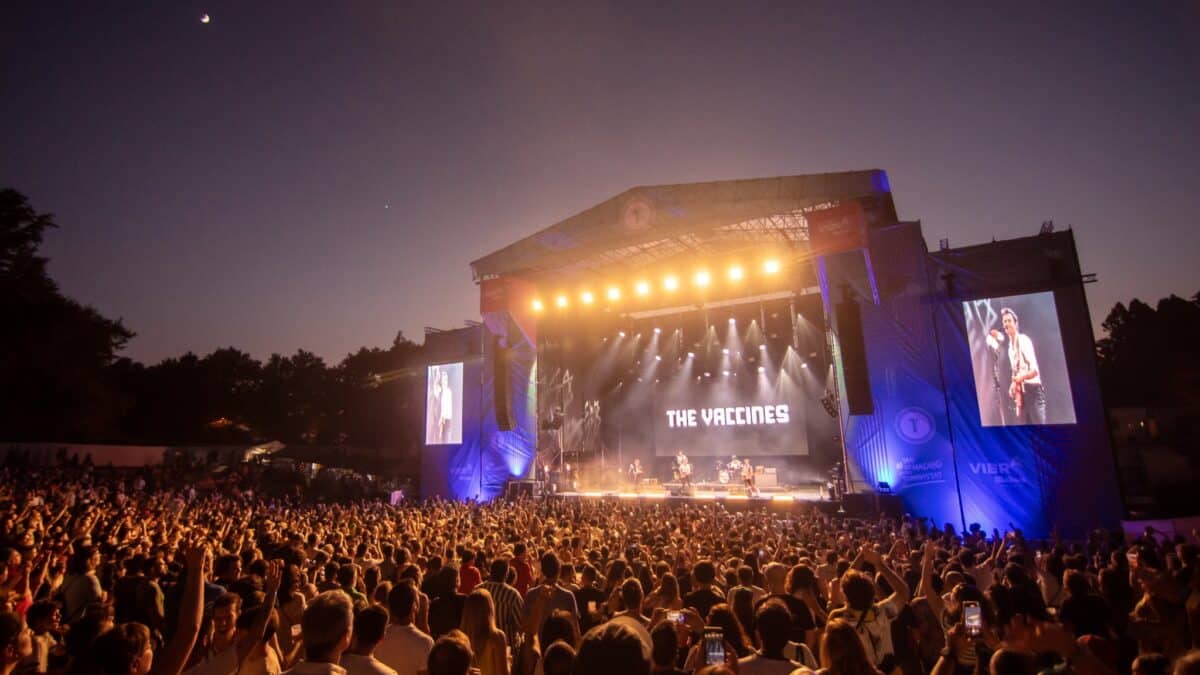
(1018, 361)
(726, 417)
(443, 404)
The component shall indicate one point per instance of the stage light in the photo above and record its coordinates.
(657, 357)
(621, 333)
(762, 369)
(614, 293)
(771, 266)
(670, 283)
(762, 347)
(804, 365)
(642, 288)
(657, 330)
(708, 374)
(561, 301)
(736, 273)
(725, 350)
(725, 373)
(587, 297)
(702, 278)
(538, 305)
(691, 355)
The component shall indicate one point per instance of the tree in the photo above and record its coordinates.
(1148, 356)
(54, 352)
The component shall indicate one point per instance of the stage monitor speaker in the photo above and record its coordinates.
(501, 386)
(522, 488)
(854, 359)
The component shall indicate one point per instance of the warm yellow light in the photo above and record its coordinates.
(670, 283)
(642, 288)
(538, 306)
(736, 273)
(587, 297)
(614, 293)
(702, 278)
(771, 266)
(561, 301)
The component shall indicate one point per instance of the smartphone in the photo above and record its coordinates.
(591, 606)
(714, 645)
(675, 616)
(296, 630)
(972, 618)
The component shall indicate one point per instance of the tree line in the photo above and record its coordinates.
(62, 377)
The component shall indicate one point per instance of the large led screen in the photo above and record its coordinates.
(443, 404)
(1017, 357)
(726, 415)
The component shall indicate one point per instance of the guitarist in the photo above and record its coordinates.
(683, 469)
(1024, 389)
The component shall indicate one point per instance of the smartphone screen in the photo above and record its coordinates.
(973, 618)
(714, 645)
(591, 606)
(675, 616)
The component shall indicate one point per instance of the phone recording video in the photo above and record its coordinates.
(714, 645)
(972, 618)
(675, 616)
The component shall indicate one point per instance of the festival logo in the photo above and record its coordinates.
(915, 425)
(1001, 472)
(912, 472)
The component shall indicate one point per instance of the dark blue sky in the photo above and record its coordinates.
(319, 175)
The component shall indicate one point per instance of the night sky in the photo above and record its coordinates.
(319, 175)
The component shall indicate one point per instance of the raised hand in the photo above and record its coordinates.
(274, 577)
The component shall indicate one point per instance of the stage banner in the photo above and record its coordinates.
(453, 471)
(905, 442)
(837, 229)
(507, 455)
(1045, 460)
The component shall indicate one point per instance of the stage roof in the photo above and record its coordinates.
(656, 223)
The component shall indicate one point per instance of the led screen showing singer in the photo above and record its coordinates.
(443, 404)
(1018, 361)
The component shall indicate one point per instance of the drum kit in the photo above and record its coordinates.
(728, 471)
(725, 472)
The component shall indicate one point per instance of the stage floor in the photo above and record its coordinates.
(703, 492)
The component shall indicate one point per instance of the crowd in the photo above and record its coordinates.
(126, 572)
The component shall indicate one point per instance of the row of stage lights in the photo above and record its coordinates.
(670, 283)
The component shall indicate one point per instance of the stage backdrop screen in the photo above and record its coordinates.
(443, 404)
(723, 418)
(1017, 356)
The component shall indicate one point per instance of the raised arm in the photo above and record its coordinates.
(271, 584)
(925, 587)
(175, 654)
(900, 593)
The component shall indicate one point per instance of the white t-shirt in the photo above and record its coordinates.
(1023, 359)
(405, 649)
(757, 665)
(447, 404)
(357, 664)
(875, 630)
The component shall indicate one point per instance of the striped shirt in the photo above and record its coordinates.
(509, 608)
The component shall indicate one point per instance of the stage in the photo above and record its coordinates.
(702, 492)
(777, 500)
(796, 321)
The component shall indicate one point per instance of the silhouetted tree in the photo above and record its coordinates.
(54, 352)
(1149, 356)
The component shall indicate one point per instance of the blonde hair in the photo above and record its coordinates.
(479, 621)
